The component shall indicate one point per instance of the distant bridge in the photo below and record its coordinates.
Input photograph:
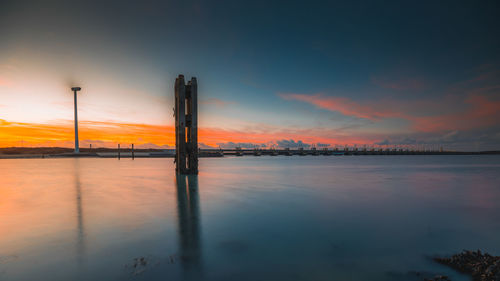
(318, 152)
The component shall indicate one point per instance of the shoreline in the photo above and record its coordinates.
(205, 155)
(59, 152)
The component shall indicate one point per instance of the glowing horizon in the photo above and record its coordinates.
(255, 88)
(109, 134)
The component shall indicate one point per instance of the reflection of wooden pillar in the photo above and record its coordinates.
(188, 216)
(186, 126)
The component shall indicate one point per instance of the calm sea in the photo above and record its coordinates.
(245, 218)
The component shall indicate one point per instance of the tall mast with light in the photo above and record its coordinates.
(77, 146)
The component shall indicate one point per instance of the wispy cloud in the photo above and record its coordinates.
(284, 143)
(292, 143)
(344, 105)
(479, 111)
(216, 102)
(398, 84)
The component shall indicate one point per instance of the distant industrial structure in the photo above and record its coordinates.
(77, 146)
(186, 126)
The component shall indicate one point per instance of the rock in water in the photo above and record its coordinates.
(482, 267)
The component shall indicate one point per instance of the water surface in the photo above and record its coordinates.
(245, 218)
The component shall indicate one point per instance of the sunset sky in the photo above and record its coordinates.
(300, 73)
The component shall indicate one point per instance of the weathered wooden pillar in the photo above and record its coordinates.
(186, 126)
(180, 125)
(192, 126)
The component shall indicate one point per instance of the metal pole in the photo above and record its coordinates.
(133, 156)
(77, 147)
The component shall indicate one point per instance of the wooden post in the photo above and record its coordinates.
(192, 127)
(180, 125)
(118, 151)
(186, 126)
(133, 155)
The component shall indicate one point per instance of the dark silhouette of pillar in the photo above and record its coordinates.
(189, 220)
(186, 126)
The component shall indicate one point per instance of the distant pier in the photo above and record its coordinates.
(327, 152)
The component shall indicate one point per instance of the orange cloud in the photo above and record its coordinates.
(344, 106)
(480, 111)
(216, 102)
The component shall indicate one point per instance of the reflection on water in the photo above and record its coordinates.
(189, 226)
(244, 218)
(80, 241)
